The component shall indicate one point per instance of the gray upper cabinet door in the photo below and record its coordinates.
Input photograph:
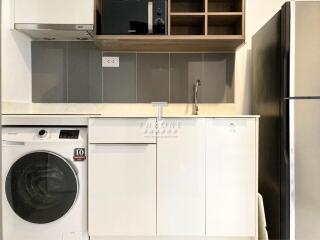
(218, 81)
(153, 77)
(49, 72)
(307, 49)
(119, 83)
(84, 73)
(185, 70)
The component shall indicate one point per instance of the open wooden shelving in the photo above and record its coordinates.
(187, 6)
(193, 25)
(225, 5)
(225, 25)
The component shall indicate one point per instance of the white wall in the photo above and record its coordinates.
(16, 59)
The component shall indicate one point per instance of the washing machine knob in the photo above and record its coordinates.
(42, 133)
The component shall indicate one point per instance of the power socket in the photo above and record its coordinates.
(110, 61)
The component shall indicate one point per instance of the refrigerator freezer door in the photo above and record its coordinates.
(306, 157)
(305, 46)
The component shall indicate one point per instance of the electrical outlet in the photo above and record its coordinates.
(110, 61)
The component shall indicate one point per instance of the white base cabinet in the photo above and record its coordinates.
(122, 197)
(197, 182)
(181, 179)
(231, 181)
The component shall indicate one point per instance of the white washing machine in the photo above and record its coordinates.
(44, 183)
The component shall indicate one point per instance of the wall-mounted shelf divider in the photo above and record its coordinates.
(193, 25)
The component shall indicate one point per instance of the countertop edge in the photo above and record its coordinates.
(82, 120)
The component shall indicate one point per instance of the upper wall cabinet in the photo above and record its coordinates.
(55, 19)
(192, 25)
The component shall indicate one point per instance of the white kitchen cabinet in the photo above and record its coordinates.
(122, 189)
(196, 178)
(181, 177)
(231, 180)
(54, 11)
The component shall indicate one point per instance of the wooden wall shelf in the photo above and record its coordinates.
(179, 43)
(193, 25)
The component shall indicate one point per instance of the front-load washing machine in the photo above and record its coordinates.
(44, 183)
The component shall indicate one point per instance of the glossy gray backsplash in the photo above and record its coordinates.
(72, 72)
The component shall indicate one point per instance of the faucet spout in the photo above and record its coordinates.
(195, 91)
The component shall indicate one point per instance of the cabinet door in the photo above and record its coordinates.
(181, 178)
(122, 189)
(231, 177)
(54, 11)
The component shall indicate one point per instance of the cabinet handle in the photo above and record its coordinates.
(150, 17)
(100, 144)
(12, 143)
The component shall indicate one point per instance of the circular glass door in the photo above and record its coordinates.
(41, 187)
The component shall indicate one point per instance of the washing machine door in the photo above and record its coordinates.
(41, 187)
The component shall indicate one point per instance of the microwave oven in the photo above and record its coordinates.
(122, 17)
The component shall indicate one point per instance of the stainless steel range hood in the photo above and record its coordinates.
(56, 31)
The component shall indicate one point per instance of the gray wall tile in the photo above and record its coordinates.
(84, 73)
(49, 72)
(185, 70)
(153, 77)
(119, 84)
(218, 81)
(72, 72)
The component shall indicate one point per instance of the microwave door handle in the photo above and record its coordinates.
(150, 17)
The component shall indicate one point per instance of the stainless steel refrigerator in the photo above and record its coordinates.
(286, 93)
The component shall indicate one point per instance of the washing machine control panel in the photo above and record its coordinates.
(69, 134)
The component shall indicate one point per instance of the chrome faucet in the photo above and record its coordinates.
(195, 91)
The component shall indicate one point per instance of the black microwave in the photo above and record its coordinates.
(137, 17)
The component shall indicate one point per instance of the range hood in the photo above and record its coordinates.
(55, 19)
(56, 31)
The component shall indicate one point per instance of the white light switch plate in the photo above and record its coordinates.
(110, 61)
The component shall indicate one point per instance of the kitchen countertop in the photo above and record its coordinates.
(78, 114)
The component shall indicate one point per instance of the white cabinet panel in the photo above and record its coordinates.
(122, 130)
(54, 11)
(231, 177)
(181, 179)
(122, 189)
